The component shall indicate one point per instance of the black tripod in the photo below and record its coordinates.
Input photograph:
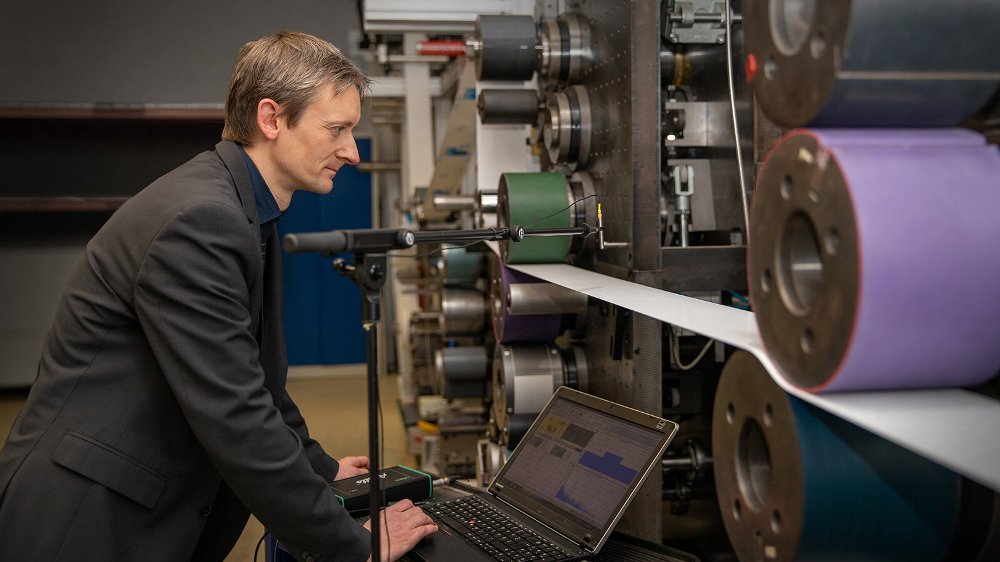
(370, 247)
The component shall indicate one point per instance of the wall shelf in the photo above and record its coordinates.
(118, 112)
(59, 204)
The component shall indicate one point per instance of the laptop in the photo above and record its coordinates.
(563, 489)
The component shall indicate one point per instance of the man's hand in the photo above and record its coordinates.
(351, 466)
(403, 525)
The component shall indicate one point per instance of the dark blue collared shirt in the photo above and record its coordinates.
(268, 212)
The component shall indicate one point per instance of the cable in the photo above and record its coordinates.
(738, 296)
(571, 205)
(736, 127)
(381, 456)
(675, 352)
(436, 250)
(257, 548)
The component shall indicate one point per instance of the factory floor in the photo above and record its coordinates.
(333, 402)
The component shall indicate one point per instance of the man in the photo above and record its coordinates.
(159, 418)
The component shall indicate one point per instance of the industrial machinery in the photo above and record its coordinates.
(822, 178)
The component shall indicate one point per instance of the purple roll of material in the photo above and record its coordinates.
(508, 327)
(873, 258)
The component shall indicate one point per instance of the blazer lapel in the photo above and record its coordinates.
(231, 157)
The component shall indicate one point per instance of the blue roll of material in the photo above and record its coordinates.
(797, 483)
(461, 266)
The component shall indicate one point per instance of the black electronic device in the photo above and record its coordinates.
(396, 483)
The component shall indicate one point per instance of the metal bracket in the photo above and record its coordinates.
(698, 21)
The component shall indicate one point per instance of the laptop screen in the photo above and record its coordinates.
(579, 465)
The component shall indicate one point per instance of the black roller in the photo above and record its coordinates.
(508, 107)
(507, 47)
(872, 63)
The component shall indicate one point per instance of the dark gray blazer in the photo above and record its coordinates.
(160, 408)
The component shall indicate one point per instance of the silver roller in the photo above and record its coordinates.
(872, 63)
(483, 204)
(486, 212)
(505, 47)
(488, 202)
(447, 202)
(526, 375)
(490, 458)
(566, 50)
(568, 127)
(544, 298)
(463, 312)
(508, 107)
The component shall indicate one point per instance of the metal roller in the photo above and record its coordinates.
(568, 126)
(424, 325)
(508, 107)
(797, 483)
(529, 199)
(543, 298)
(524, 378)
(488, 202)
(449, 202)
(581, 190)
(505, 48)
(867, 248)
(566, 50)
(461, 363)
(872, 63)
(508, 328)
(483, 204)
(490, 458)
(463, 312)
(486, 215)
(462, 372)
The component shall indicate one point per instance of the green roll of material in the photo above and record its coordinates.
(524, 199)
(461, 265)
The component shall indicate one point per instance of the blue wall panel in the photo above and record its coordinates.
(322, 308)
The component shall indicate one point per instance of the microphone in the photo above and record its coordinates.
(358, 241)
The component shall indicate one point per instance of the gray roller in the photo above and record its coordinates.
(463, 312)
(544, 298)
(508, 107)
(461, 363)
(462, 371)
(872, 63)
(507, 47)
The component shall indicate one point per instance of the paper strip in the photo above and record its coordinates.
(953, 427)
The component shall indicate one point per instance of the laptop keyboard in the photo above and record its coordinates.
(494, 532)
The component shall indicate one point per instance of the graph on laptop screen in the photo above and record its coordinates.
(581, 461)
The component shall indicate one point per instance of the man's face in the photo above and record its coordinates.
(313, 150)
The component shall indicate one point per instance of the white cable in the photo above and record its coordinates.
(736, 128)
(676, 353)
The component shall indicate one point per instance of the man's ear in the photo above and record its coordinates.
(267, 118)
